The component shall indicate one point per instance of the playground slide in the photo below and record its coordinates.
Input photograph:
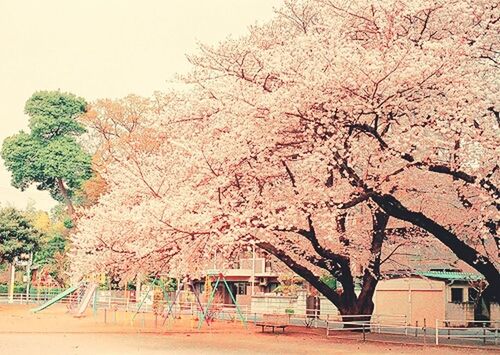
(56, 298)
(89, 292)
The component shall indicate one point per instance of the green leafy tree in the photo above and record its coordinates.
(17, 235)
(51, 255)
(50, 156)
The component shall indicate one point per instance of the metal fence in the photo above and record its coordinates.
(397, 325)
(486, 331)
(23, 298)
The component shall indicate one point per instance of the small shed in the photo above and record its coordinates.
(437, 294)
(414, 297)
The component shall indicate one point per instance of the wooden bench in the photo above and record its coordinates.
(274, 321)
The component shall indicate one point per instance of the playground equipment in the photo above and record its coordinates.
(156, 298)
(205, 312)
(73, 300)
(90, 291)
(182, 287)
(155, 301)
(56, 298)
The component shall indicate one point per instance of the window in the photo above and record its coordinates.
(272, 286)
(241, 288)
(457, 295)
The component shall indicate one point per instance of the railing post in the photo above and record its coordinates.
(437, 332)
(425, 330)
(105, 315)
(484, 333)
(416, 328)
(496, 335)
(364, 334)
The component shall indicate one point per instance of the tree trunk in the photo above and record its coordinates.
(67, 199)
(363, 305)
(359, 314)
(348, 303)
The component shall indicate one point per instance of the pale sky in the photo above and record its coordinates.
(103, 48)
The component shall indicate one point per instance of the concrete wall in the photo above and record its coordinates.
(279, 304)
(244, 300)
(301, 305)
(459, 313)
(327, 307)
(495, 315)
(268, 304)
(272, 304)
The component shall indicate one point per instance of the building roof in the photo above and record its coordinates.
(451, 275)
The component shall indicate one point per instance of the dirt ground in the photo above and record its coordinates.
(54, 331)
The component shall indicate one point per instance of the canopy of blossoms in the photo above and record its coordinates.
(328, 137)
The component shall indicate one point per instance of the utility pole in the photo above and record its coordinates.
(137, 288)
(12, 272)
(253, 269)
(28, 274)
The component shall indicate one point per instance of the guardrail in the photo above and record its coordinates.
(399, 326)
(22, 298)
(484, 331)
(378, 323)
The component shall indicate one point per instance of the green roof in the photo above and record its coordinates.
(451, 275)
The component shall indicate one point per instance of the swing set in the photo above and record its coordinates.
(203, 314)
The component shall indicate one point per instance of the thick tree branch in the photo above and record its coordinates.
(372, 271)
(311, 236)
(484, 183)
(395, 208)
(64, 192)
(302, 272)
(365, 128)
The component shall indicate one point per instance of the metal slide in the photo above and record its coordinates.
(56, 299)
(89, 292)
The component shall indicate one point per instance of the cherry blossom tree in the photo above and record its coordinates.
(389, 102)
(328, 137)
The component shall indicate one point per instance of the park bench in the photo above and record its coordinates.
(274, 321)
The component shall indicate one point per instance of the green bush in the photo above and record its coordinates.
(17, 288)
(33, 290)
